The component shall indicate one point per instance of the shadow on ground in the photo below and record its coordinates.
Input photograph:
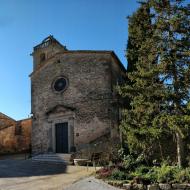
(29, 168)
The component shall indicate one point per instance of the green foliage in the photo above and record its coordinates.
(137, 34)
(162, 174)
(146, 174)
(165, 173)
(143, 90)
(129, 162)
(141, 171)
(159, 76)
(118, 175)
(182, 176)
(151, 175)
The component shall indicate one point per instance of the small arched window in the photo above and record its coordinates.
(42, 57)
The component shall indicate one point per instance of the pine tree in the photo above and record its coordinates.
(172, 18)
(144, 89)
(139, 31)
(160, 76)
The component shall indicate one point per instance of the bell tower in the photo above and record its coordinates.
(45, 50)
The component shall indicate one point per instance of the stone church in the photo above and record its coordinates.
(74, 101)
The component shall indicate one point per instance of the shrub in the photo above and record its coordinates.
(144, 174)
(165, 173)
(104, 173)
(151, 175)
(118, 175)
(142, 170)
(182, 176)
(130, 162)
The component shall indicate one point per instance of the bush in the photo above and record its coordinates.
(142, 170)
(104, 173)
(130, 162)
(151, 175)
(182, 176)
(146, 175)
(166, 173)
(163, 174)
(118, 175)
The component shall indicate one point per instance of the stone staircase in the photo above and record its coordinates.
(52, 157)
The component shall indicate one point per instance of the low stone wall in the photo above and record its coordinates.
(161, 186)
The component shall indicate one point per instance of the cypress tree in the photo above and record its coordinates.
(159, 74)
(144, 89)
(139, 31)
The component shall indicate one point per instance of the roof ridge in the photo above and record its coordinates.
(111, 52)
(29, 118)
(7, 116)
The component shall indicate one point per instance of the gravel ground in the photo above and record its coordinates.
(29, 175)
(90, 183)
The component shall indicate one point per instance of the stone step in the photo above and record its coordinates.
(49, 160)
(59, 158)
(63, 156)
(53, 155)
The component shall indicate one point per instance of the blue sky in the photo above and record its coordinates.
(78, 24)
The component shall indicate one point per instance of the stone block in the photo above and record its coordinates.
(188, 187)
(165, 186)
(153, 187)
(139, 186)
(127, 186)
(179, 186)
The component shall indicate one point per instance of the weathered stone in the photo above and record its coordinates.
(153, 187)
(165, 186)
(179, 186)
(127, 186)
(188, 186)
(88, 104)
(139, 186)
(6, 121)
(15, 136)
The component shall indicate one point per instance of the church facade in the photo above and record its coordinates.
(74, 101)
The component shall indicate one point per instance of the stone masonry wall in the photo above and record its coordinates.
(16, 138)
(89, 93)
(161, 186)
(6, 121)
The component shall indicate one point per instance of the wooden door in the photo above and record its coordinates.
(61, 130)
